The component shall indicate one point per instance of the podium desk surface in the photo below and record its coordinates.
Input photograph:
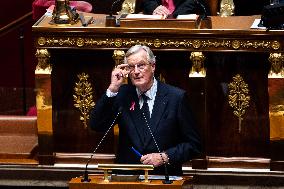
(97, 182)
(99, 23)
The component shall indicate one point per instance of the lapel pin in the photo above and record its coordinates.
(132, 106)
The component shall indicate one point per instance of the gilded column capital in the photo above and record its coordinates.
(277, 67)
(118, 56)
(43, 57)
(197, 69)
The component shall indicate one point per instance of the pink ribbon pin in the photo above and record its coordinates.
(132, 106)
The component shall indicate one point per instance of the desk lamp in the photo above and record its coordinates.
(64, 14)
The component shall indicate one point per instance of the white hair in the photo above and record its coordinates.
(134, 49)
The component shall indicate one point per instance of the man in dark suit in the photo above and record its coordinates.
(173, 8)
(155, 117)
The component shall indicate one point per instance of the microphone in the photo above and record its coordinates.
(110, 19)
(86, 176)
(167, 178)
(204, 11)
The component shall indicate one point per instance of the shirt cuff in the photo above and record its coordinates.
(110, 94)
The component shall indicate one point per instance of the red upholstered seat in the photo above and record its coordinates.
(40, 6)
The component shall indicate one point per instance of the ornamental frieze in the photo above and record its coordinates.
(78, 42)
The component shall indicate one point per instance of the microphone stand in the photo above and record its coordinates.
(167, 177)
(86, 176)
(205, 21)
(110, 19)
(204, 11)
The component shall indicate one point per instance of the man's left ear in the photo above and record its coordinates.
(153, 67)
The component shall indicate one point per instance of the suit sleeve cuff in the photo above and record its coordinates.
(110, 94)
(171, 156)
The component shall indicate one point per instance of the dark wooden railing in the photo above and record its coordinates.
(17, 65)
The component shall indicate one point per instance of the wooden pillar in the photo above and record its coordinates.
(197, 87)
(44, 107)
(276, 110)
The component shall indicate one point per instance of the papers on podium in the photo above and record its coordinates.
(188, 17)
(144, 16)
(190, 21)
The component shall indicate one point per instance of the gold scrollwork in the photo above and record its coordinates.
(197, 70)
(43, 65)
(83, 97)
(238, 97)
(161, 43)
(277, 67)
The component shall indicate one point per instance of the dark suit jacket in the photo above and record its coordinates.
(171, 123)
(181, 6)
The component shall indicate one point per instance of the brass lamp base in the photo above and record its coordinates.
(63, 14)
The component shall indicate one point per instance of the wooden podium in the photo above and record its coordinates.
(234, 55)
(97, 181)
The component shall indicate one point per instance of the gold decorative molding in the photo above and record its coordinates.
(200, 44)
(83, 97)
(238, 97)
(197, 69)
(43, 66)
(277, 65)
(128, 7)
(227, 8)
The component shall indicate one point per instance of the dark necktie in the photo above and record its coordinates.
(145, 107)
(145, 115)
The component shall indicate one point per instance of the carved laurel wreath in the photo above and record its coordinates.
(83, 97)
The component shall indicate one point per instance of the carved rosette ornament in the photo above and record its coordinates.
(43, 65)
(41, 41)
(157, 43)
(83, 97)
(238, 97)
(275, 45)
(80, 42)
(277, 65)
(197, 69)
(118, 42)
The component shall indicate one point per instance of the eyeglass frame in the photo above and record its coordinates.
(131, 68)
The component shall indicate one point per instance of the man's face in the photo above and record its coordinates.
(141, 71)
